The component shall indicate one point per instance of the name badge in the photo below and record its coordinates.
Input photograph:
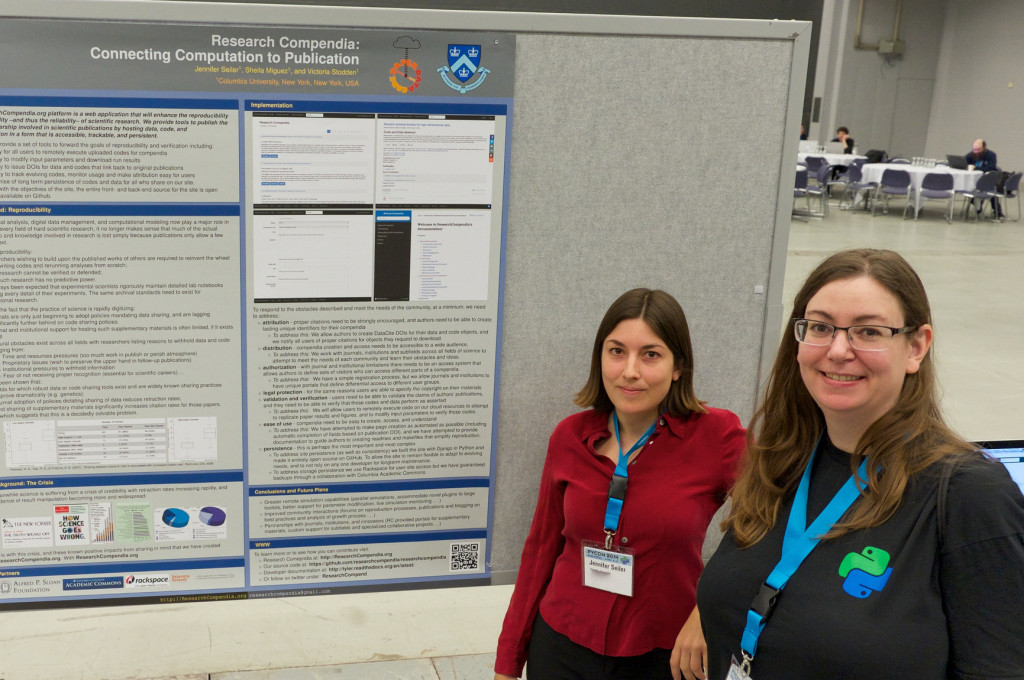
(738, 671)
(610, 570)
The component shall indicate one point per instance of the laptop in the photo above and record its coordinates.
(956, 161)
(1009, 452)
(807, 146)
(835, 147)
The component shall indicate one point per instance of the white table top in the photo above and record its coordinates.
(963, 180)
(831, 158)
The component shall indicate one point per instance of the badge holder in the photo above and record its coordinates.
(608, 567)
(739, 670)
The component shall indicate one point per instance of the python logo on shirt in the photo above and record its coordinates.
(865, 572)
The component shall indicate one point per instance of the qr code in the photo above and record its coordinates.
(465, 557)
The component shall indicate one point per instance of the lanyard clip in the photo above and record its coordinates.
(608, 536)
(765, 601)
(745, 665)
(617, 488)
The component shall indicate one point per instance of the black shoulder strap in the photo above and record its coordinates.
(940, 506)
(948, 468)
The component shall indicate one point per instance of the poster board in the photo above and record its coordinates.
(617, 175)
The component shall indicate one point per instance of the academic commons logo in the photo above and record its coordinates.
(464, 64)
(865, 572)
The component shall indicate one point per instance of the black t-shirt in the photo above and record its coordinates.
(849, 613)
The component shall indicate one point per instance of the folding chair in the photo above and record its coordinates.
(800, 190)
(820, 187)
(1011, 188)
(938, 186)
(854, 185)
(842, 177)
(813, 162)
(984, 190)
(893, 183)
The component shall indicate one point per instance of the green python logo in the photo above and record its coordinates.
(865, 572)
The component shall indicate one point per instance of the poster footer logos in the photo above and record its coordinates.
(96, 583)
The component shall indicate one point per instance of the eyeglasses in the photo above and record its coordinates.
(863, 338)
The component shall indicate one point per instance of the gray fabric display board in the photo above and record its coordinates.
(645, 151)
(657, 161)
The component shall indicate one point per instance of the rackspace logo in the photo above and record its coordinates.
(146, 580)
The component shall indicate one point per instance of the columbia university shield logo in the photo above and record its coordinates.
(463, 60)
(464, 64)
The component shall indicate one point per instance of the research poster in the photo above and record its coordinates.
(252, 284)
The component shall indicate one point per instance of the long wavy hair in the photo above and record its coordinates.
(665, 316)
(785, 427)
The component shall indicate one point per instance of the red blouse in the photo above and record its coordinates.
(675, 486)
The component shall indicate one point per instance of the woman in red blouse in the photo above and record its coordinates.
(609, 570)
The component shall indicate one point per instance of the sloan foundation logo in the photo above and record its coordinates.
(464, 66)
(146, 580)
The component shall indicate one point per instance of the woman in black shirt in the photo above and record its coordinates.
(917, 573)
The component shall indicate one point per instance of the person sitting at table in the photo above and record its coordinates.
(981, 157)
(984, 159)
(843, 135)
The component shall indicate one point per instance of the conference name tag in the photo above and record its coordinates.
(610, 570)
(738, 671)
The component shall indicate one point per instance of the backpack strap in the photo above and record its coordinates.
(940, 504)
(945, 474)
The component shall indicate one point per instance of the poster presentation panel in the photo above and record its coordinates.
(252, 281)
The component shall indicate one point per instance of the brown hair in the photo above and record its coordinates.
(787, 424)
(663, 314)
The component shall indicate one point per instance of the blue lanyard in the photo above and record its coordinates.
(797, 544)
(617, 489)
